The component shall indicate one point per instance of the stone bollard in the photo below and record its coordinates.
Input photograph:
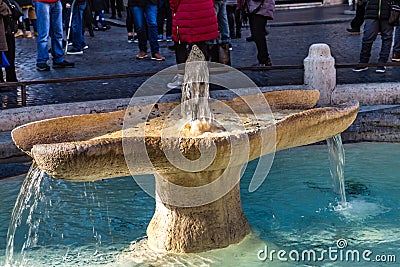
(320, 72)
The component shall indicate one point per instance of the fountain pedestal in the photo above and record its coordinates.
(213, 225)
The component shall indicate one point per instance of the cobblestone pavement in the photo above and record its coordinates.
(110, 53)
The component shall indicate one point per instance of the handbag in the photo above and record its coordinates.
(4, 60)
(16, 10)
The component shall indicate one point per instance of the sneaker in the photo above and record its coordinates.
(135, 39)
(74, 51)
(42, 67)
(176, 83)
(141, 55)
(160, 38)
(157, 57)
(63, 64)
(359, 69)
(380, 69)
(105, 28)
(169, 38)
(85, 47)
(19, 33)
(395, 57)
(130, 38)
(353, 31)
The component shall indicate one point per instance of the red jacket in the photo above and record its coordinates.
(193, 20)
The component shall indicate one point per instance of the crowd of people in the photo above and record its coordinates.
(210, 24)
(375, 15)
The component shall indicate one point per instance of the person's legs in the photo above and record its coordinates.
(223, 25)
(151, 19)
(43, 25)
(99, 18)
(113, 9)
(161, 15)
(120, 7)
(168, 29)
(10, 54)
(56, 32)
(371, 29)
(259, 23)
(181, 53)
(396, 45)
(138, 18)
(78, 41)
(359, 18)
(238, 22)
(387, 38)
(230, 11)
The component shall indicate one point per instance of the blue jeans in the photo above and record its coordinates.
(99, 17)
(371, 29)
(49, 24)
(223, 25)
(78, 41)
(151, 21)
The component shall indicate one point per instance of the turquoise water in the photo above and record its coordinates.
(295, 209)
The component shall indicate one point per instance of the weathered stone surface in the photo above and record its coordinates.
(320, 72)
(368, 93)
(377, 125)
(74, 149)
(200, 228)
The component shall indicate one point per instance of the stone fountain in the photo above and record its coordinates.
(198, 206)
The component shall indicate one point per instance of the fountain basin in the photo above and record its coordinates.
(89, 147)
(197, 209)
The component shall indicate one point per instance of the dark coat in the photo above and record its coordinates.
(377, 9)
(193, 20)
(4, 12)
(24, 3)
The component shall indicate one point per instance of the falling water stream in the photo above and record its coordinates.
(336, 165)
(28, 199)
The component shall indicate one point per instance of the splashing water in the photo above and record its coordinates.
(336, 163)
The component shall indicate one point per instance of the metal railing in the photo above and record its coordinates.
(24, 84)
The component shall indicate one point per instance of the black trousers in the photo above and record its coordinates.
(163, 13)
(10, 54)
(129, 20)
(234, 19)
(359, 18)
(258, 23)
(116, 5)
